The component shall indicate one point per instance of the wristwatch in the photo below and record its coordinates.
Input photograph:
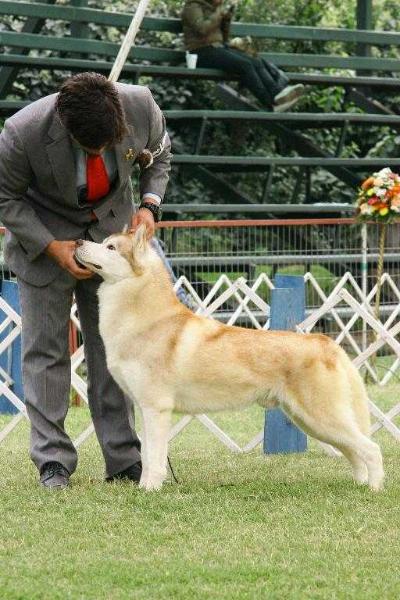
(154, 209)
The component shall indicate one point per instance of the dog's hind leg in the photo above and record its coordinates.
(371, 454)
(331, 419)
(156, 427)
(360, 471)
(372, 470)
(343, 433)
(360, 449)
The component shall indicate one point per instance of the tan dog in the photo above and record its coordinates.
(167, 359)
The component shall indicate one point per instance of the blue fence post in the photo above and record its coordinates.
(10, 360)
(287, 310)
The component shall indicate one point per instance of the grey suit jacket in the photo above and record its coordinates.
(38, 196)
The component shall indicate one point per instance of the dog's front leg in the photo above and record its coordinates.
(143, 449)
(156, 427)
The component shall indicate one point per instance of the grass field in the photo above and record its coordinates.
(236, 526)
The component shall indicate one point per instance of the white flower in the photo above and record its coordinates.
(366, 209)
(383, 172)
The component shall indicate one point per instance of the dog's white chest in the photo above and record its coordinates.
(129, 375)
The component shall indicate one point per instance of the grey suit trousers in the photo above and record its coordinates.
(47, 375)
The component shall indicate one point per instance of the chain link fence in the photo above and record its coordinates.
(203, 251)
(324, 248)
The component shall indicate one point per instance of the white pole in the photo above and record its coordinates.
(364, 277)
(128, 40)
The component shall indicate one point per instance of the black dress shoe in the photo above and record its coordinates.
(54, 475)
(132, 473)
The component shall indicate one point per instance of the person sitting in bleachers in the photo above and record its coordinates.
(206, 26)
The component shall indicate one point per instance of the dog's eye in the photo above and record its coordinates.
(110, 247)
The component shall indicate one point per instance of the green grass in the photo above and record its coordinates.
(236, 526)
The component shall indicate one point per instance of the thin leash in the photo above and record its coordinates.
(172, 471)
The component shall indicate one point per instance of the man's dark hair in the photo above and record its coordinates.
(89, 107)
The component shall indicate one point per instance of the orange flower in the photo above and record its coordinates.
(393, 192)
(396, 200)
(367, 183)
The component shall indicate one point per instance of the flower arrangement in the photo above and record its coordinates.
(378, 198)
(378, 201)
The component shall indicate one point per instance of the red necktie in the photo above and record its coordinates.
(97, 182)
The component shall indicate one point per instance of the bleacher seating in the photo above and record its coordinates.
(31, 48)
(175, 58)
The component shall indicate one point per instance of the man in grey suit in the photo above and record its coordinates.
(65, 168)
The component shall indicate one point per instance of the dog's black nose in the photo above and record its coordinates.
(79, 242)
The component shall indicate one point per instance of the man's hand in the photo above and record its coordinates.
(145, 217)
(63, 254)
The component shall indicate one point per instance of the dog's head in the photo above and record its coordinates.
(118, 257)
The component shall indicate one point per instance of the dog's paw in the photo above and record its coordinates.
(151, 482)
(151, 486)
(376, 486)
(143, 480)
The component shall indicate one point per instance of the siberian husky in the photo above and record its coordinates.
(167, 359)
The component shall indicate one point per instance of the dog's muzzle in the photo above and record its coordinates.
(78, 259)
(78, 262)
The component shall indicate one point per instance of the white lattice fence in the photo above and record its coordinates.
(384, 335)
(245, 300)
(10, 328)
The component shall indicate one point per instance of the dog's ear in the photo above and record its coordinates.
(140, 239)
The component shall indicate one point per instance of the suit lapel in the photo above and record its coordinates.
(61, 158)
(126, 153)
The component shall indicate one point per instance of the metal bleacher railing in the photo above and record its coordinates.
(158, 52)
(84, 15)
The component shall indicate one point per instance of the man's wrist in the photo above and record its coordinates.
(151, 197)
(49, 250)
(153, 208)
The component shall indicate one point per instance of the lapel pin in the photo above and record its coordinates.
(130, 154)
